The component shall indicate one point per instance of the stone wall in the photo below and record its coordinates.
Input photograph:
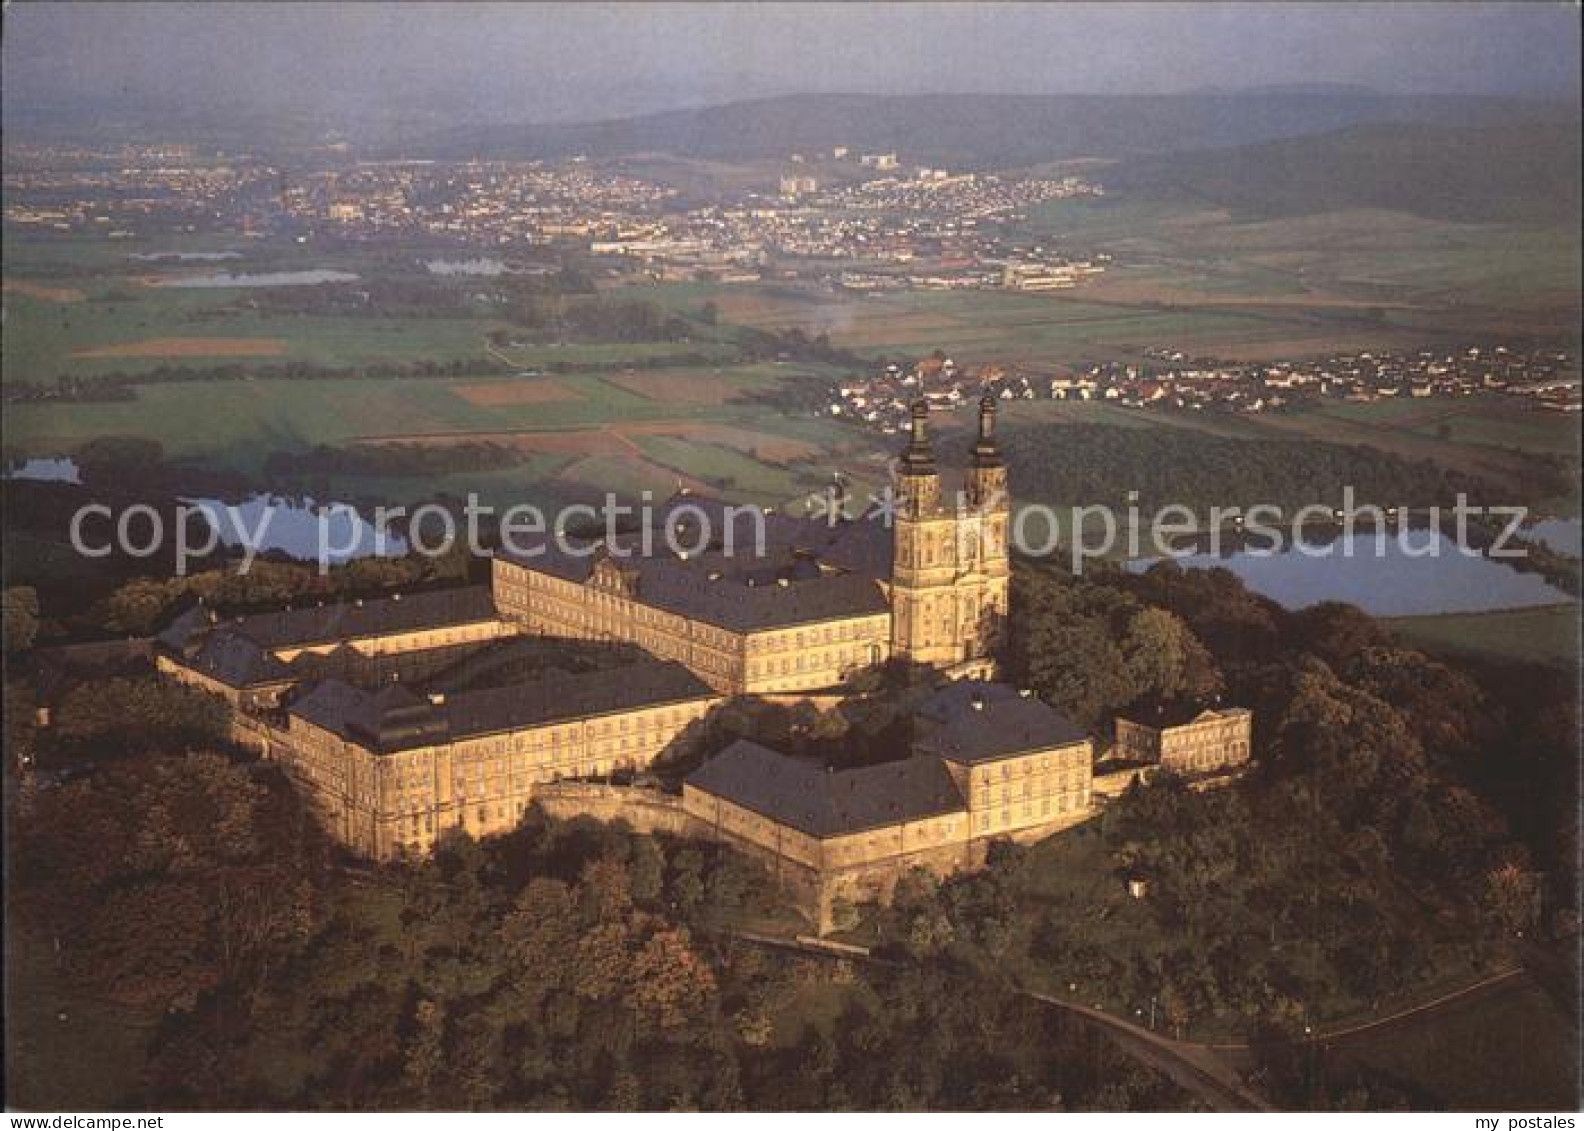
(646, 810)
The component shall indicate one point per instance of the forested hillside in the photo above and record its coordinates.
(1526, 174)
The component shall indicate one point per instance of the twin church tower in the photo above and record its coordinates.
(950, 568)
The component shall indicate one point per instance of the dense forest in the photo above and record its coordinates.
(1406, 818)
(1282, 902)
(1524, 173)
(566, 966)
(389, 459)
(1101, 464)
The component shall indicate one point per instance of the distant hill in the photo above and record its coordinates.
(983, 131)
(1523, 173)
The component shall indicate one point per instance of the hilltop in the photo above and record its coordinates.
(984, 131)
(1519, 173)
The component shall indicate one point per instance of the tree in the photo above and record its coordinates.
(686, 887)
(1336, 632)
(19, 613)
(108, 718)
(668, 983)
(424, 1057)
(1165, 661)
(646, 870)
(164, 876)
(1448, 712)
(1511, 897)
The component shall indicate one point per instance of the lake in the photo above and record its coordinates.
(481, 266)
(1396, 583)
(263, 279)
(63, 470)
(292, 526)
(167, 256)
(1561, 534)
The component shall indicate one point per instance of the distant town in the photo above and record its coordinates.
(1170, 379)
(864, 222)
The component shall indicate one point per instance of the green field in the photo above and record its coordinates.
(72, 1050)
(628, 431)
(1047, 330)
(70, 297)
(45, 339)
(1184, 277)
(48, 339)
(1428, 273)
(1547, 635)
(1193, 278)
(1492, 437)
(1512, 1051)
(1488, 421)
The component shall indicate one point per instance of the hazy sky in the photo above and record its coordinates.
(539, 62)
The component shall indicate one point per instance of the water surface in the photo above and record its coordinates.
(1561, 534)
(1417, 573)
(302, 528)
(262, 279)
(61, 470)
(480, 266)
(167, 256)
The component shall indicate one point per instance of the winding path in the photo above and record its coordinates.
(1192, 1067)
(1198, 1068)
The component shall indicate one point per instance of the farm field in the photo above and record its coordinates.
(1189, 278)
(627, 431)
(81, 307)
(137, 331)
(1494, 421)
(1492, 437)
(1547, 635)
(1049, 330)
(1424, 274)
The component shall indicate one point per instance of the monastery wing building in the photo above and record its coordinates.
(755, 602)
(410, 716)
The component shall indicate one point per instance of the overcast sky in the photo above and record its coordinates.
(541, 62)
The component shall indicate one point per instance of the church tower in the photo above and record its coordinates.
(984, 517)
(950, 570)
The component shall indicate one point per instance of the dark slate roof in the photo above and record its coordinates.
(865, 546)
(187, 629)
(977, 722)
(740, 592)
(950, 700)
(811, 569)
(394, 718)
(744, 595)
(353, 619)
(1177, 714)
(562, 696)
(825, 803)
(332, 704)
(235, 660)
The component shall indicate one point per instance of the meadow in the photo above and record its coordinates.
(1547, 635)
(1185, 277)
(1508, 1051)
(632, 430)
(81, 307)
(1192, 277)
(1424, 274)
